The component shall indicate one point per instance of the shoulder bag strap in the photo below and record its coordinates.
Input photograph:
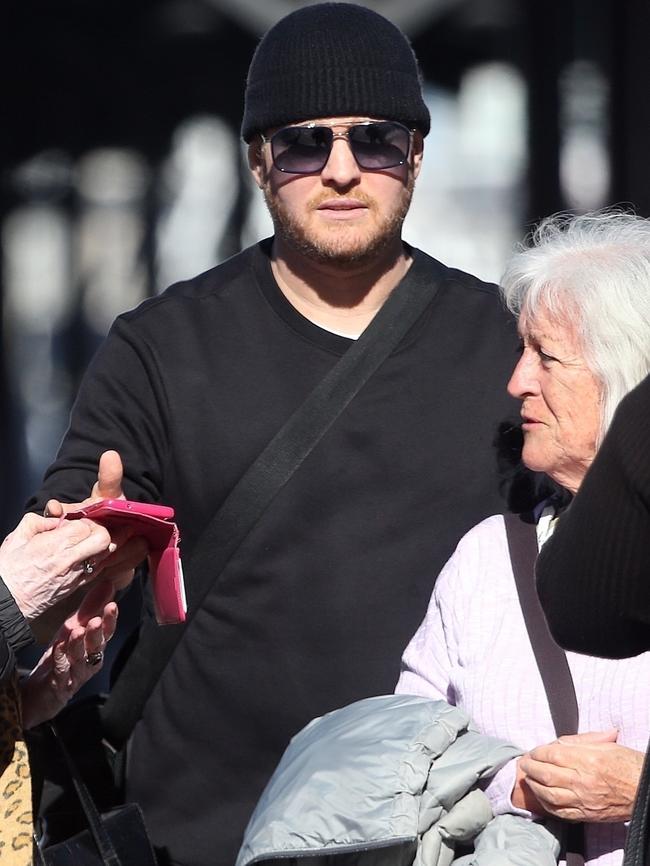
(551, 660)
(637, 844)
(103, 842)
(257, 488)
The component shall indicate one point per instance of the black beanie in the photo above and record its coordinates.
(333, 60)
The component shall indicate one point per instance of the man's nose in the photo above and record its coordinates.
(341, 168)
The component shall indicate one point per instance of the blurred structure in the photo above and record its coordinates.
(122, 170)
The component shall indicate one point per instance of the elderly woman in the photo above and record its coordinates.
(581, 292)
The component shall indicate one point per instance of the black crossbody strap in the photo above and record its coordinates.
(637, 845)
(101, 838)
(257, 488)
(551, 660)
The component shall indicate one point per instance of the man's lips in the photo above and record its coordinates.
(342, 208)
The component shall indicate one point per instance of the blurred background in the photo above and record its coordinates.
(121, 168)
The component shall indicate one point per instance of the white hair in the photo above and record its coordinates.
(594, 270)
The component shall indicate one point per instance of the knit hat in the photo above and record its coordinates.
(333, 60)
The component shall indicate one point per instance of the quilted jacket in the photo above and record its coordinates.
(390, 781)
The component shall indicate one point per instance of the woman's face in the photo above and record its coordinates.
(560, 400)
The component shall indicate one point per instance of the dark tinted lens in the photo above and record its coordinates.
(379, 145)
(301, 149)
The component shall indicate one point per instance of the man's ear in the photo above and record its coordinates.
(418, 150)
(256, 161)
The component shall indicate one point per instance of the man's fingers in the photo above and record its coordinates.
(97, 597)
(119, 567)
(109, 477)
(107, 486)
(54, 508)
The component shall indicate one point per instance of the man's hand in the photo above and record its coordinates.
(131, 550)
(584, 777)
(41, 561)
(108, 486)
(63, 668)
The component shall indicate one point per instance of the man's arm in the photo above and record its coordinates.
(121, 406)
(119, 416)
(117, 565)
(14, 632)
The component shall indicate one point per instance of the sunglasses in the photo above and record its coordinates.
(375, 145)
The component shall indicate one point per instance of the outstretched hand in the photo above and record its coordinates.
(75, 654)
(131, 550)
(108, 486)
(42, 560)
(584, 777)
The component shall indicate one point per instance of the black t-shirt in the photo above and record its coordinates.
(315, 608)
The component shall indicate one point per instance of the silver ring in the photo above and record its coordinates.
(94, 658)
(88, 566)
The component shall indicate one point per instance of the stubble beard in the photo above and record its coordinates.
(343, 245)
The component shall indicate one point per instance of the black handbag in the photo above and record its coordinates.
(115, 838)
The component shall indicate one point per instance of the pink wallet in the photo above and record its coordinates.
(152, 522)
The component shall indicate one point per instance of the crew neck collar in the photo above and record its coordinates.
(328, 340)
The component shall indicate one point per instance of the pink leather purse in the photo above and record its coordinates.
(154, 523)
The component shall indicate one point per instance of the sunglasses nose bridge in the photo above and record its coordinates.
(341, 165)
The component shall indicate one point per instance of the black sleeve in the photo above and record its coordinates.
(14, 632)
(120, 405)
(593, 575)
(7, 660)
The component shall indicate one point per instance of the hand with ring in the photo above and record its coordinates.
(75, 655)
(129, 550)
(44, 560)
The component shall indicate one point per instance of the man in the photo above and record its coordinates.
(315, 607)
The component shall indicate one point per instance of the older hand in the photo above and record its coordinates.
(584, 777)
(42, 562)
(63, 668)
(131, 550)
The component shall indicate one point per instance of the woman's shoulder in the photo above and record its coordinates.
(489, 534)
(480, 562)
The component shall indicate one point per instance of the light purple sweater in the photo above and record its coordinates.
(472, 650)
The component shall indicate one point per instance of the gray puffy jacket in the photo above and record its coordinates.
(390, 781)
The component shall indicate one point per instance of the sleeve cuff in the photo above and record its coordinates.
(13, 624)
(499, 791)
